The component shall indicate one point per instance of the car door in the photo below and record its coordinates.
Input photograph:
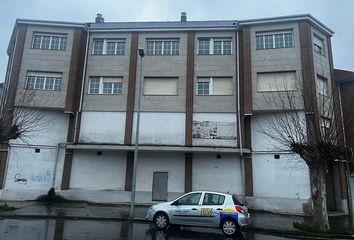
(210, 209)
(185, 210)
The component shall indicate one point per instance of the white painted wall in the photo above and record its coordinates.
(173, 163)
(29, 170)
(262, 142)
(93, 172)
(217, 117)
(102, 127)
(223, 175)
(45, 127)
(287, 177)
(161, 128)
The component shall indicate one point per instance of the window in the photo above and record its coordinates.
(274, 40)
(160, 86)
(44, 81)
(49, 41)
(214, 86)
(322, 85)
(276, 81)
(108, 47)
(318, 45)
(213, 199)
(217, 46)
(190, 199)
(162, 46)
(105, 85)
(325, 126)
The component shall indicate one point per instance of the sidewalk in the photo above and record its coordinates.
(261, 221)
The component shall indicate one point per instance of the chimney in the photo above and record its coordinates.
(183, 17)
(99, 18)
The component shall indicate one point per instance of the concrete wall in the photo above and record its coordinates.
(46, 61)
(273, 60)
(98, 172)
(213, 174)
(159, 128)
(107, 66)
(102, 127)
(215, 66)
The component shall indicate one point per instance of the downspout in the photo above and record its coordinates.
(239, 109)
(82, 85)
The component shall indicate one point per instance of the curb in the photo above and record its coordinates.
(284, 233)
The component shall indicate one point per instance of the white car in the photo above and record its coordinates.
(203, 209)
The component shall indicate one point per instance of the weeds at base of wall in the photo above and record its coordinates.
(5, 208)
(314, 229)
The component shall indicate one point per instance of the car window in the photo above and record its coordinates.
(236, 200)
(190, 199)
(213, 199)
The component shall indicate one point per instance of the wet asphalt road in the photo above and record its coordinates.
(16, 229)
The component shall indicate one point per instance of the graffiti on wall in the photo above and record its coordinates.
(34, 177)
(214, 130)
(19, 179)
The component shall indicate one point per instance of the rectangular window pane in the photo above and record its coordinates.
(39, 83)
(203, 47)
(45, 42)
(227, 47)
(30, 82)
(117, 88)
(322, 85)
(63, 41)
(111, 48)
(49, 83)
(288, 40)
(217, 47)
(203, 88)
(279, 43)
(259, 42)
(57, 84)
(107, 88)
(55, 43)
(167, 48)
(98, 47)
(149, 47)
(158, 48)
(37, 41)
(120, 48)
(175, 47)
(268, 39)
(94, 85)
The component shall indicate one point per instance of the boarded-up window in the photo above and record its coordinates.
(322, 85)
(276, 81)
(215, 86)
(160, 86)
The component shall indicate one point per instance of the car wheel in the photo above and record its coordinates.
(229, 227)
(161, 220)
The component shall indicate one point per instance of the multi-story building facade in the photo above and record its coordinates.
(203, 87)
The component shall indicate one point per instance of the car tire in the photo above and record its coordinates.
(161, 220)
(229, 227)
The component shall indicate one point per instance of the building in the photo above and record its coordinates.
(202, 101)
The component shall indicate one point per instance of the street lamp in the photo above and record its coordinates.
(136, 148)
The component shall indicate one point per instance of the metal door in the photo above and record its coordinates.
(159, 186)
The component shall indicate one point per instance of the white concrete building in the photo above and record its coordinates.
(203, 84)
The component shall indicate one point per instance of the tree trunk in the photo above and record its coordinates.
(318, 193)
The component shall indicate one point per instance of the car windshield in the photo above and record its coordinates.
(236, 200)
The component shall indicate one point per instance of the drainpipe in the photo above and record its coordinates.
(239, 109)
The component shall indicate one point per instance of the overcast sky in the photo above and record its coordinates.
(336, 14)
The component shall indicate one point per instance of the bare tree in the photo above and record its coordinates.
(307, 122)
(24, 119)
